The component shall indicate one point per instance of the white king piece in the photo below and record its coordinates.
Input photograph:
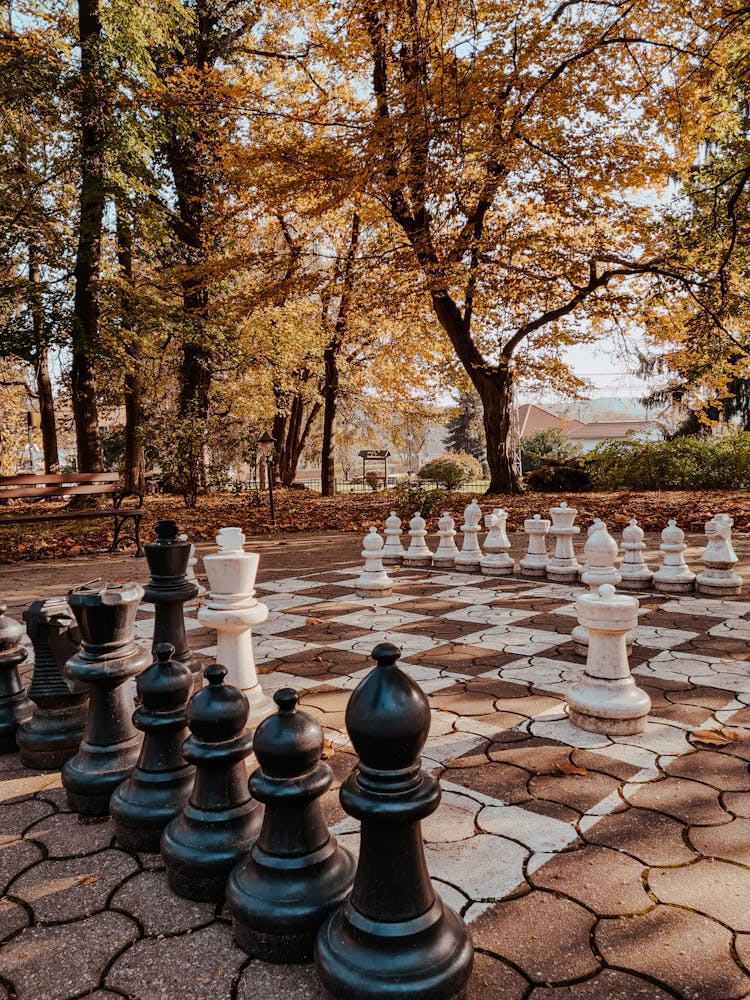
(232, 610)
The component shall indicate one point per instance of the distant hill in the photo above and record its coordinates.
(604, 408)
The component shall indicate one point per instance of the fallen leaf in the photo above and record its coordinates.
(328, 750)
(720, 737)
(313, 621)
(568, 767)
(88, 879)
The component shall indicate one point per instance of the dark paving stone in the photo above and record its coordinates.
(193, 966)
(737, 803)
(327, 592)
(536, 756)
(324, 609)
(499, 781)
(16, 855)
(519, 931)
(507, 690)
(577, 791)
(730, 842)
(444, 629)
(718, 889)
(531, 705)
(600, 762)
(493, 978)
(426, 605)
(651, 837)
(326, 634)
(148, 898)
(279, 982)
(463, 703)
(16, 817)
(463, 658)
(685, 951)
(57, 796)
(607, 882)
(13, 917)
(609, 984)
(77, 887)
(719, 770)
(688, 801)
(703, 697)
(70, 835)
(42, 965)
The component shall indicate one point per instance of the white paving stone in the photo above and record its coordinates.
(537, 832)
(453, 820)
(485, 867)
(379, 619)
(484, 615)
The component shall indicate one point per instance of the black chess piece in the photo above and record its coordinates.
(220, 821)
(168, 589)
(160, 783)
(393, 937)
(53, 733)
(107, 661)
(15, 707)
(296, 873)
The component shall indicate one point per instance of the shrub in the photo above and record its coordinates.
(411, 496)
(373, 480)
(559, 476)
(552, 443)
(451, 471)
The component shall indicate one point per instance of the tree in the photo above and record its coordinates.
(552, 443)
(465, 426)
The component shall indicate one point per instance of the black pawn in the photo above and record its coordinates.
(53, 733)
(168, 589)
(204, 842)
(393, 937)
(296, 873)
(15, 707)
(161, 781)
(108, 659)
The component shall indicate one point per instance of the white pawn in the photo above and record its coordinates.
(417, 556)
(447, 550)
(719, 557)
(497, 562)
(393, 550)
(606, 699)
(673, 576)
(563, 566)
(534, 563)
(469, 558)
(232, 611)
(373, 581)
(191, 577)
(634, 573)
(600, 552)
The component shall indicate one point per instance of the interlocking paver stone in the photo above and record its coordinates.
(651, 837)
(13, 917)
(519, 930)
(69, 835)
(684, 950)
(730, 842)
(578, 791)
(14, 857)
(685, 800)
(15, 817)
(148, 898)
(604, 880)
(493, 978)
(500, 781)
(42, 965)
(191, 966)
(279, 982)
(609, 984)
(737, 803)
(720, 770)
(452, 821)
(718, 889)
(77, 887)
(485, 867)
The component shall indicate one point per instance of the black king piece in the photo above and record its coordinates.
(168, 589)
(393, 937)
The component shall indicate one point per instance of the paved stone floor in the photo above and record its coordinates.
(587, 868)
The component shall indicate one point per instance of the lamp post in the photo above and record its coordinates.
(266, 446)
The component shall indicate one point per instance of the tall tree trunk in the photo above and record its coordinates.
(330, 403)
(41, 372)
(132, 475)
(291, 431)
(496, 392)
(88, 257)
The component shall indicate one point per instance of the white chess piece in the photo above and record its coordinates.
(634, 573)
(563, 567)
(600, 552)
(447, 550)
(496, 561)
(594, 526)
(373, 581)
(606, 699)
(190, 575)
(232, 611)
(719, 558)
(534, 563)
(674, 575)
(469, 558)
(418, 555)
(393, 550)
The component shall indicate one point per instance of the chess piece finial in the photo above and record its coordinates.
(394, 924)
(15, 707)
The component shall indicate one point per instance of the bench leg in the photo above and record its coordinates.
(120, 519)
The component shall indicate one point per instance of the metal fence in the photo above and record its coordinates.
(342, 486)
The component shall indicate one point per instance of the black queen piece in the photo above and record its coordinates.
(393, 937)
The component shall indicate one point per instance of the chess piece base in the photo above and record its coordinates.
(674, 586)
(633, 583)
(142, 806)
(533, 571)
(728, 586)
(466, 567)
(362, 959)
(92, 775)
(392, 560)
(606, 726)
(52, 736)
(417, 562)
(497, 570)
(563, 574)
(612, 707)
(443, 562)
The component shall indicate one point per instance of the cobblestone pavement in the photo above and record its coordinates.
(587, 867)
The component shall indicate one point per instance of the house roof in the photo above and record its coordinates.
(610, 429)
(532, 418)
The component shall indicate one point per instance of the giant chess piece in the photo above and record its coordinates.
(393, 938)
(161, 781)
(15, 707)
(497, 562)
(447, 550)
(719, 558)
(634, 573)
(534, 563)
(373, 581)
(296, 873)
(606, 699)
(54, 732)
(169, 590)
(469, 559)
(220, 821)
(393, 550)
(108, 659)
(674, 576)
(418, 555)
(232, 611)
(563, 566)
(600, 552)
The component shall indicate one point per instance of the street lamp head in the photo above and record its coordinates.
(266, 445)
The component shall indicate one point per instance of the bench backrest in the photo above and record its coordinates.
(58, 485)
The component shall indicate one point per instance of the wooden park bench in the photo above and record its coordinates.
(69, 485)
